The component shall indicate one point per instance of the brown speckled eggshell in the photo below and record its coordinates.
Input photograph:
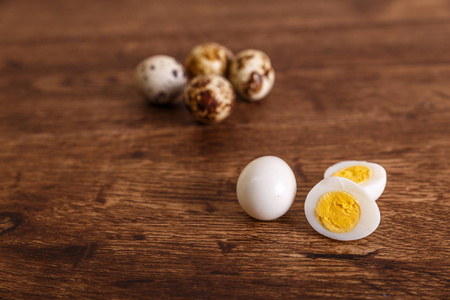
(161, 79)
(209, 98)
(208, 58)
(252, 74)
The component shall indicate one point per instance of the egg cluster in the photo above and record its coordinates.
(342, 206)
(214, 73)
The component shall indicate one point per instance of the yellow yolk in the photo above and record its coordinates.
(358, 174)
(338, 211)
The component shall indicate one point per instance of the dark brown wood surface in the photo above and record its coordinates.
(103, 196)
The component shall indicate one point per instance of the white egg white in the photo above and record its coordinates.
(374, 186)
(266, 188)
(370, 214)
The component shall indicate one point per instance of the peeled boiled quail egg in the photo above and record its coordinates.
(266, 188)
(208, 58)
(341, 209)
(160, 78)
(370, 176)
(209, 98)
(251, 74)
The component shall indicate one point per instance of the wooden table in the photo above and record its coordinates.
(104, 196)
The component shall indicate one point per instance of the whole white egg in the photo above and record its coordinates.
(266, 188)
(370, 176)
(340, 209)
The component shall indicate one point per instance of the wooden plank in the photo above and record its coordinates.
(104, 196)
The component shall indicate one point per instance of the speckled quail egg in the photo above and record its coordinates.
(209, 98)
(252, 74)
(208, 58)
(342, 210)
(160, 78)
(266, 188)
(370, 176)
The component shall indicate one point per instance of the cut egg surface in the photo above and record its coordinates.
(369, 176)
(340, 209)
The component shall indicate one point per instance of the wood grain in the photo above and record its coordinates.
(103, 196)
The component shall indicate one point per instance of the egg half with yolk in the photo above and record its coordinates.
(342, 210)
(369, 176)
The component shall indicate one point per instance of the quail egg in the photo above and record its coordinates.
(160, 78)
(208, 58)
(209, 98)
(251, 74)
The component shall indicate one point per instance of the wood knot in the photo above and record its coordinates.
(9, 221)
(139, 237)
(226, 247)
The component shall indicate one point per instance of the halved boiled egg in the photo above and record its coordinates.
(341, 209)
(370, 176)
